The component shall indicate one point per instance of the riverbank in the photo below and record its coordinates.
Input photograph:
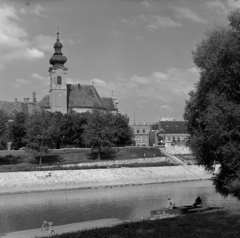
(41, 181)
(222, 223)
(219, 224)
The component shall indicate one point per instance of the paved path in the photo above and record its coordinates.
(64, 228)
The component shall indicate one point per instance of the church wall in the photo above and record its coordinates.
(58, 100)
(81, 110)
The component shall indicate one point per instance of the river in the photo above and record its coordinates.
(28, 211)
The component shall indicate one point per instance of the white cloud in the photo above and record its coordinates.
(45, 81)
(164, 107)
(26, 53)
(233, 3)
(193, 70)
(219, 6)
(187, 13)
(159, 75)
(129, 22)
(38, 76)
(23, 11)
(223, 7)
(146, 3)
(99, 82)
(139, 80)
(19, 82)
(38, 10)
(44, 43)
(22, 81)
(157, 22)
(15, 43)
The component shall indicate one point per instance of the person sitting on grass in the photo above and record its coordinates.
(198, 202)
(171, 203)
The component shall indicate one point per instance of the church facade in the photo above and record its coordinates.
(62, 97)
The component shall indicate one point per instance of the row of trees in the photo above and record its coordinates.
(42, 130)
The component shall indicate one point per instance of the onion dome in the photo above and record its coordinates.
(58, 59)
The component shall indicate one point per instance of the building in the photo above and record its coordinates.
(141, 134)
(168, 133)
(62, 97)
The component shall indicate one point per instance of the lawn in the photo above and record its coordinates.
(24, 161)
(220, 224)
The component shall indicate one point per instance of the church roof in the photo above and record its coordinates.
(109, 103)
(83, 96)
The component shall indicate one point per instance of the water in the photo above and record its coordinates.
(28, 211)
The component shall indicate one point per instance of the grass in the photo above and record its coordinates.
(220, 224)
(13, 161)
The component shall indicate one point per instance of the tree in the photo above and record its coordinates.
(124, 133)
(58, 122)
(72, 128)
(3, 129)
(100, 131)
(39, 133)
(18, 128)
(213, 109)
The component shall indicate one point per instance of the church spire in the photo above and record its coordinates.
(58, 58)
(58, 45)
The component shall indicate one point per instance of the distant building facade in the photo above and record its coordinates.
(141, 134)
(168, 133)
(62, 97)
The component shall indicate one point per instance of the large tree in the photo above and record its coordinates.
(124, 133)
(213, 109)
(100, 131)
(40, 128)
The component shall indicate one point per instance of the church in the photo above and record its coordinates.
(62, 97)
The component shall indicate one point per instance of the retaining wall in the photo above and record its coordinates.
(22, 182)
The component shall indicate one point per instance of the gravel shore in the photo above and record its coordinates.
(40, 181)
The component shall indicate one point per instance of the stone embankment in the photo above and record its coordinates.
(24, 182)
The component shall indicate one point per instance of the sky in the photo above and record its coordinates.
(139, 51)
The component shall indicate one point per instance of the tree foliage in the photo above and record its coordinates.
(18, 128)
(104, 130)
(124, 133)
(72, 128)
(213, 109)
(3, 129)
(39, 134)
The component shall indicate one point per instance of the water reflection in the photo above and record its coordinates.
(27, 211)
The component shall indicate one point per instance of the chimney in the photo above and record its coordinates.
(16, 100)
(26, 100)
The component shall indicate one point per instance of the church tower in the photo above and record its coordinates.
(58, 84)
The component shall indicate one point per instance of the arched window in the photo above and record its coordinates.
(59, 80)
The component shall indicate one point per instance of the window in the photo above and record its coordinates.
(178, 139)
(137, 131)
(59, 80)
(143, 130)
